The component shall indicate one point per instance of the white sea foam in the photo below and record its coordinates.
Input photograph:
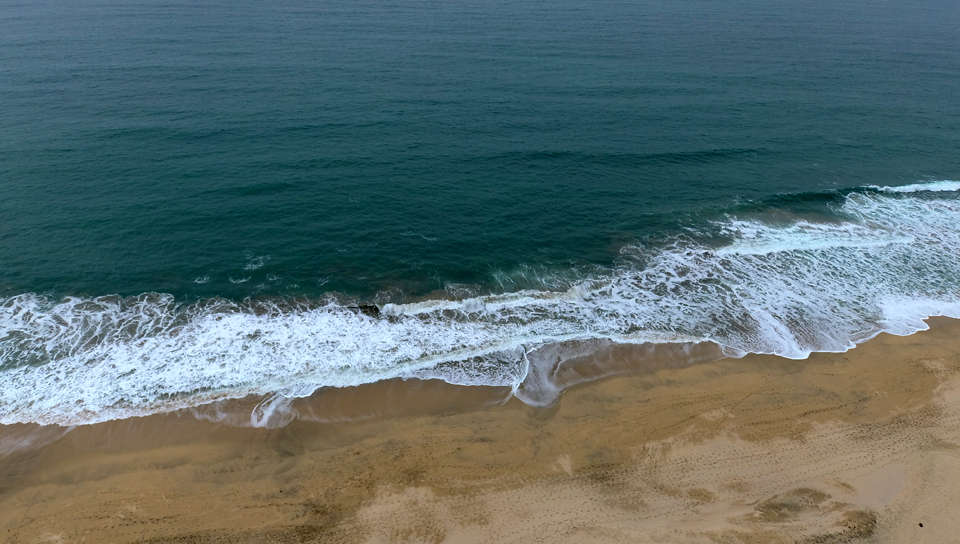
(931, 186)
(756, 238)
(255, 262)
(784, 289)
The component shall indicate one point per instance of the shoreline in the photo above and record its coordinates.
(840, 447)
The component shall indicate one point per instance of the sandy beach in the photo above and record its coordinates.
(858, 446)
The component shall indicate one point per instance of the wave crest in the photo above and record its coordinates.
(788, 289)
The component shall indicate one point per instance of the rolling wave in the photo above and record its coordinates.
(930, 186)
(887, 259)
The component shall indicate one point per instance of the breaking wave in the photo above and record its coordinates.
(887, 259)
(931, 186)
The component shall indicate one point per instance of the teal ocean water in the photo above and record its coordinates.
(202, 200)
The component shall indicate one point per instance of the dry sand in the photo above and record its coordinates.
(852, 447)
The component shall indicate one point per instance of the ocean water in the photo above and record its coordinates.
(203, 200)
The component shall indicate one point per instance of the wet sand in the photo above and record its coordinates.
(861, 446)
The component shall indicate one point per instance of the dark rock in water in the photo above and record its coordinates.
(368, 309)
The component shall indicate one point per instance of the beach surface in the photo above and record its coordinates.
(848, 447)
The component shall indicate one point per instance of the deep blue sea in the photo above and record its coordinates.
(206, 199)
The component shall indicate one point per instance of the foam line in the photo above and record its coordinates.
(887, 261)
(930, 186)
